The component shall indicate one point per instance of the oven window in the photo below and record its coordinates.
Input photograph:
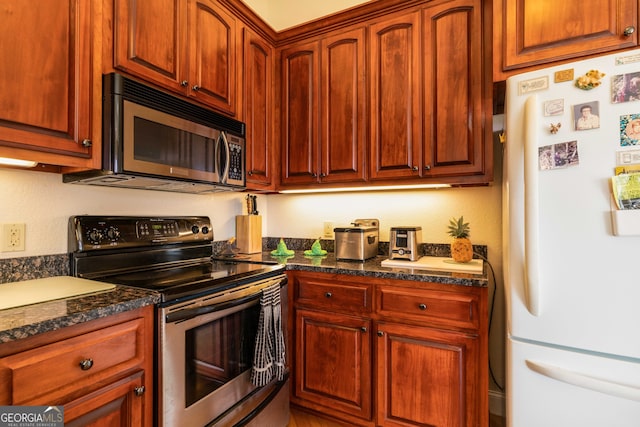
(219, 351)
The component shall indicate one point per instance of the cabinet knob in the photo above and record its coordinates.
(427, 167)
(87, 143)
(250, 173)
(139, 391)
(184, 83)
(422, 306)
(86, 364)
(415, 169)
(196, 88)
(323, 175)
(328, 294)
(629, 30)
(314, 175)
(380, 333)
(363, 329)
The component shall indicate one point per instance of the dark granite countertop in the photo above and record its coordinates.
(371, 268)
(25, 321)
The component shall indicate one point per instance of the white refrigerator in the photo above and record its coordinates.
(571, 258)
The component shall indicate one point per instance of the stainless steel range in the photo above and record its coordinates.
(210, 315)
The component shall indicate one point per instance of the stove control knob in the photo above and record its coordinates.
(113, 234)
(205, 230)
(195, 229)
(94, 236)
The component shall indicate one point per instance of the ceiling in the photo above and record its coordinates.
(283, 14)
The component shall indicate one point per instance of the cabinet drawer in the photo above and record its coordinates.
(434, 307)
(333, 294)
(75, 364)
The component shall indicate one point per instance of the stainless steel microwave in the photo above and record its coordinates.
(156, 141)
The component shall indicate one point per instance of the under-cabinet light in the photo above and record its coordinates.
(7, 161)
(373, 188)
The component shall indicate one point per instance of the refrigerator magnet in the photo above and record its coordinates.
(554, 107)
(559, 155)
(587, 115)
(625, 87)
(629, 130)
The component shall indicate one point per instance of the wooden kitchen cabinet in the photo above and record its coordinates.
(258, 72)
(333, 362)
(426, 377)
(443, 331)
(417, 349)
(428, 95)
(422, 101)
(100, 371)
(333, 359)
(324, 110)
(188, 47)
(529, 34)
(49, 89)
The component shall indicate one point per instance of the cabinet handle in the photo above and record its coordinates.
(314, 175)
(196, 88)
(427, 167)
(422, 306)
(629, 30)
(86, 364)
(363, 329)
(250, 173)
(380, 333)
(328, 294)
(87, 143)
(139, 391)
(323, 175)
(415, 169)
(184, 83)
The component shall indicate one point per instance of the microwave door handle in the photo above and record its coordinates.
(224, 169)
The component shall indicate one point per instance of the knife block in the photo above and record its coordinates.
(249, 234)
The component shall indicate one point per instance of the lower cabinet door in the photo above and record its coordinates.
(118, 404)
(333, 370)
(425, 377)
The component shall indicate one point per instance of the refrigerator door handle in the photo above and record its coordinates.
(585, 381)
(531, 204)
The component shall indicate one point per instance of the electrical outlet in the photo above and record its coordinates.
(13, 237)
(328, 230)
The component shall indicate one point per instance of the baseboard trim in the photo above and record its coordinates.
(496, 403)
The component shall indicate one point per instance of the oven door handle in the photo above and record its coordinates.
(190, 313)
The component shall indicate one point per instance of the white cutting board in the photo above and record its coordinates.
(437, 263)
(27, 292)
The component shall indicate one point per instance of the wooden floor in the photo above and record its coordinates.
(303, 419)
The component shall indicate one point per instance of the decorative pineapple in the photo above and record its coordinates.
(461, 249)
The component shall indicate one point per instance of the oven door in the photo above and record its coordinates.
(205, 355)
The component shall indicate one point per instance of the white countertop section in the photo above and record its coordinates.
(435, 263)
(27, 292)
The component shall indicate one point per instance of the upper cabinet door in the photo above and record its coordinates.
(396, 136)
(343, 107)
(541, 31)
(300, 100)
(212, 55)
(185, 46)
(454, 144)
(259, 66)
(46, 81)
(149, 40)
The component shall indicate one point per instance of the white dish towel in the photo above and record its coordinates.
(269, 357)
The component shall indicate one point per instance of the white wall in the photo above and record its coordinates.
(282, 14)
(44, 204)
